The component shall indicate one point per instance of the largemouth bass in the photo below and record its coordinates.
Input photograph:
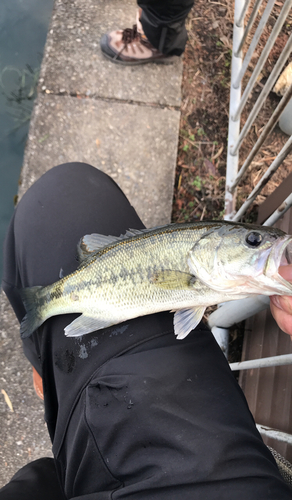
(177, 267)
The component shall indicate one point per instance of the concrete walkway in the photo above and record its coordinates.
(122, 120)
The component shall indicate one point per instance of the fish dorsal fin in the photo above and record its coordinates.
(186, 320)
(93, 242)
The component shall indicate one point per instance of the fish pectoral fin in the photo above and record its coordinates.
(186, 320)
(85, 324)
(173, 280)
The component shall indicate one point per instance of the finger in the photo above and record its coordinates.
(286, 272)
(284, 302)
(283, 318)
(281, 306)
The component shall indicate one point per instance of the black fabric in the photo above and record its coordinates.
(35, 481)
(132, 412)
(163, 23)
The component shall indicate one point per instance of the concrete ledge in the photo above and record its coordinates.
(73, 62)
(134, 144)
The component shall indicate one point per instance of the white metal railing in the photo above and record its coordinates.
(238, 99)
(230, 313)
(283, 359)
(275, 434)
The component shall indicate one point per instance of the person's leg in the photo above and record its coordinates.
(132, 412)
(159, 34)
(35, 481)
(163, 23)
(64, 204)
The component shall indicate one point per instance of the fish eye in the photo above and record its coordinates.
(254, 239)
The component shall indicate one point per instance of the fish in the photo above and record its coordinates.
(181, 268)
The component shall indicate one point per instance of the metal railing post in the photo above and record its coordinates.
(234, 126)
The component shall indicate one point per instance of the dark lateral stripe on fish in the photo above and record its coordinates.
(57, 291)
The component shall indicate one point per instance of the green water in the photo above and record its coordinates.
(23, 30)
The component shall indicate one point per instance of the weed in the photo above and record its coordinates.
(20, 99)
(197, 182)
(184, 133)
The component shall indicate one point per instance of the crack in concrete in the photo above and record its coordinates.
(108, 99)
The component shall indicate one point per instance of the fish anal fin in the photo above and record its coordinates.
(186, 320)
(85, 324)
(173, 280)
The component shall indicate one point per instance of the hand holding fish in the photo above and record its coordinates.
(281, 306)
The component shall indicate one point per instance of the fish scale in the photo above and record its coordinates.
(180, 267)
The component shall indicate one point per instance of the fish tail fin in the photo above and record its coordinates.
(33, 319)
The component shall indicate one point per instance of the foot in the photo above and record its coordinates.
(130, 47)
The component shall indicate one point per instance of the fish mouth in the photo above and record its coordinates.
(286, 257)
(281, 255)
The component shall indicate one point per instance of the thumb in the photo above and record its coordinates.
(286, 272)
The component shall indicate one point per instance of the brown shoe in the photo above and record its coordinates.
(131, 47)
(37, 383)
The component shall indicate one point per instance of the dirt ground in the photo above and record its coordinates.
(201, 164)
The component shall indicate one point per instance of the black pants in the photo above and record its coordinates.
(132, 412)
(163, 23)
